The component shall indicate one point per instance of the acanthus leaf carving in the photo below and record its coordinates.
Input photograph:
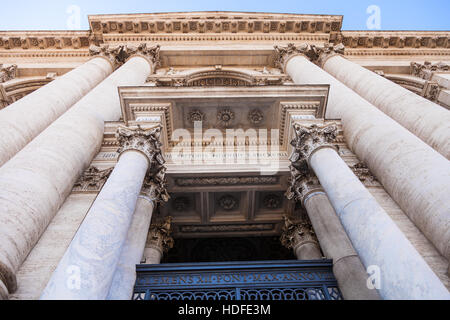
(298, 233)
(160, 235)
(92, 179)
(7, 73)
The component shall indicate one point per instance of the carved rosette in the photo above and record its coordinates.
(308, 139)
(225, 117)
(195, 116)
(296, 234)
(7, 73)
(255, 116)
(159, 236)
(92, 179)
(119, 54)
(228, 202)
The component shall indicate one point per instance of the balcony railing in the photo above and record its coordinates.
(266, 280)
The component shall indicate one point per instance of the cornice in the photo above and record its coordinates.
(214, 22)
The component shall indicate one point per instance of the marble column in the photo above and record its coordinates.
(403, 273)
(347, 267)
(300, 237)
(415, 175)
(426, 119)
(36, 182)
(23, 120)
(87, 268)
(153, 192)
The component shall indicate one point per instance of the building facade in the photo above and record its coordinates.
(224, 155)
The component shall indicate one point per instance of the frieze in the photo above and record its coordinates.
(226, 228)
(227, 181)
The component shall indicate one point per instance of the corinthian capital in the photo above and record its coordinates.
(302, 184)
(144, 140)
(284, 53)
(310, 138)
(320, 54)
(7, 73)
(119, 54)
(296, 234)
(425, 71)
(155, 185)
(159, 236)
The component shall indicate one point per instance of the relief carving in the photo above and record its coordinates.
(160, 236)
(298, 233)
(92, 179)
(7, 73)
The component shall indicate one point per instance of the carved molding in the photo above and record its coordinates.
(92, 180)
(227, 78)
(7, 73)
(227, 228)
(296, 234)
(226, 181)
(119, 54)
(159, 236)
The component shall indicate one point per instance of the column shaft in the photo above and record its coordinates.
(347, 267)
(376, 238)
(125, 275)
(96, 248)
(23, 120)
(35, 183)
(307, 251)
(427, 120)
(416, 176)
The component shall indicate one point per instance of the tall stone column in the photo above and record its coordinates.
(425, 119)
(368, 226)
(300, 237)
(153, 192)
(37, 181)
(87, 268)
(415, 175)
(23, 120)
(347, 267)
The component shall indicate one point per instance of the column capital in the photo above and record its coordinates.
(284, 53)
(303, 184)
(309, 139)
(320, 54)
(159, 236)
(316, 54)
(144, 140)
(425, 71)
(155, 185)
(119, 54)
(296, 234)
(7, 73)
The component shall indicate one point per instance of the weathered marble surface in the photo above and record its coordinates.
(35, 272)
(427, 120)
(125, 274)
(415, 175)
(96, 248)
(373, 233)
(348, 269)
(23, 120)
(35, 183)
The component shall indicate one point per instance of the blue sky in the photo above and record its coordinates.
(395, 14)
